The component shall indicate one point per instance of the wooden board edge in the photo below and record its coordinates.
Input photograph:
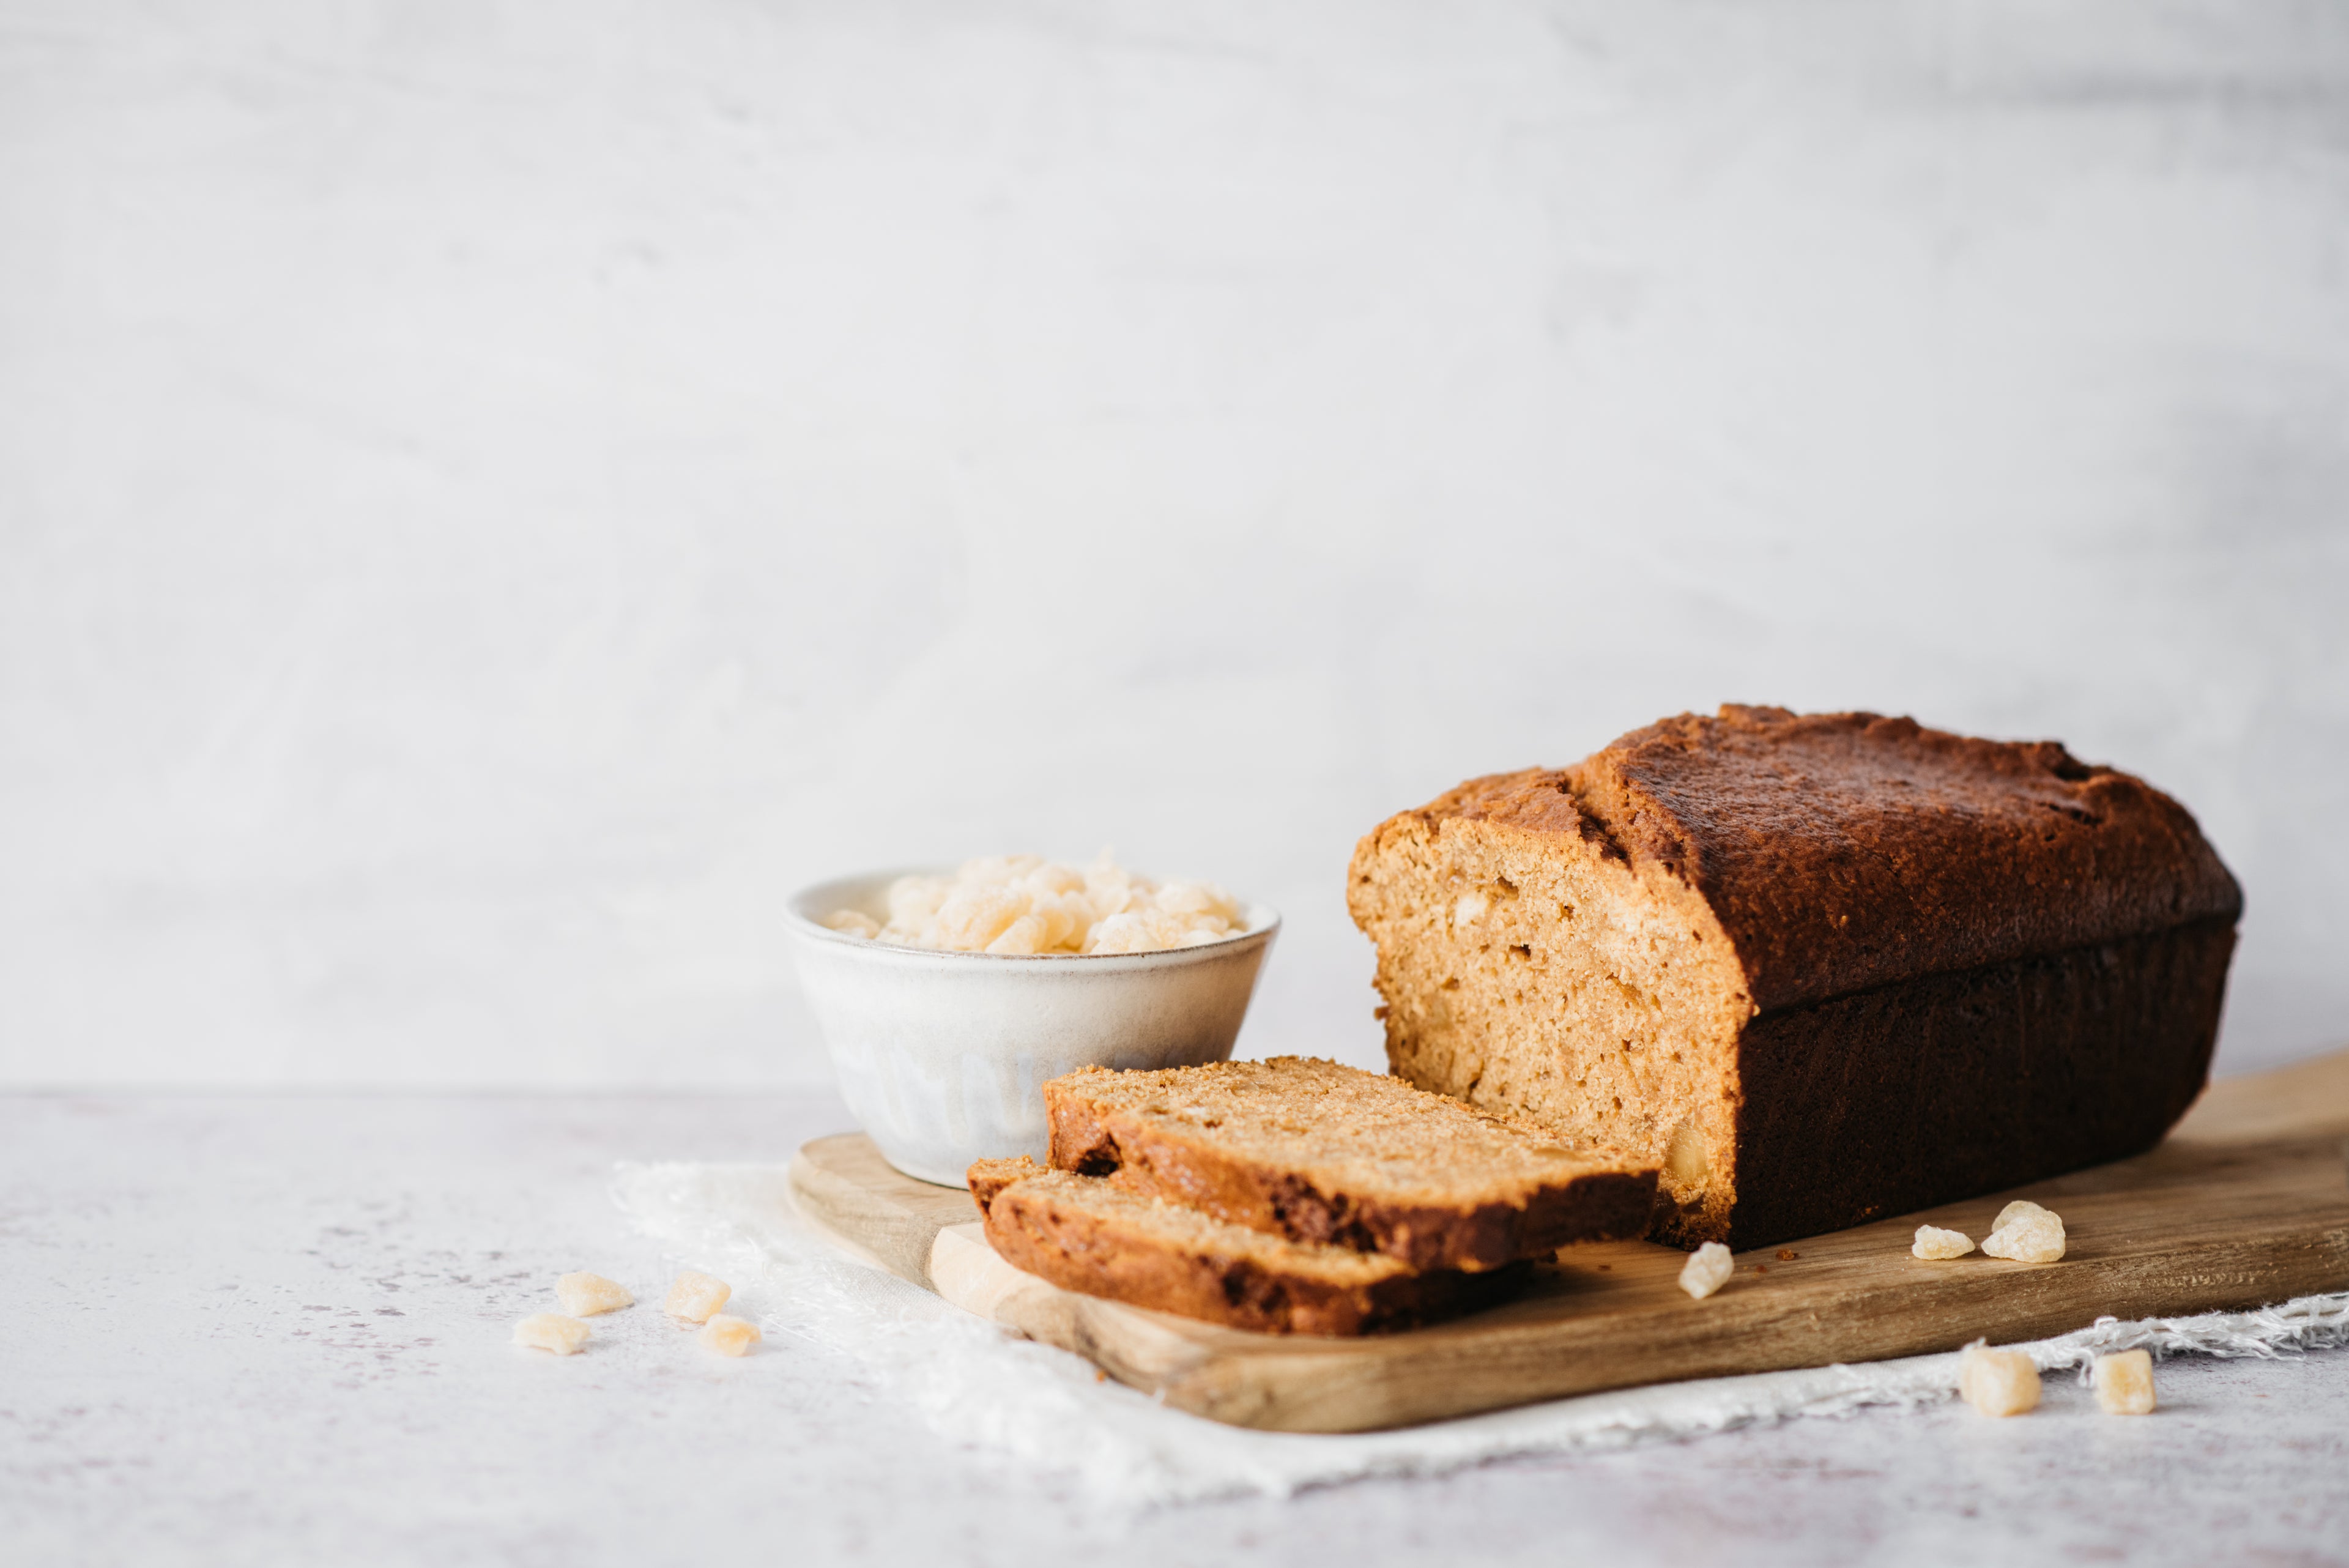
(862, 1222)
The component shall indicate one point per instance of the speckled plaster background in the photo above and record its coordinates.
(492, 495)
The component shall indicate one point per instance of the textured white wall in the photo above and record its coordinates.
(491, 496)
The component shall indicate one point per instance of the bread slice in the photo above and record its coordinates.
(1320, 1153)
(1092, 1236)
(1821, 967)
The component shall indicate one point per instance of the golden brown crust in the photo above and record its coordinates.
(1159, 1155)
(1843, 851)
(1067, 1231)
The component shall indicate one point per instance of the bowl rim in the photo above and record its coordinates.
(1263, 923)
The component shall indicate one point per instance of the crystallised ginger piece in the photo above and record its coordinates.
(2123, 1383)
(585, 1295)
(1934, 1243)
(1017, 903)
(551, 1331)
(1707, 1269)
(1997, 1382)
(1028, 934)
(974, 917)
(2025, 1233)
(695, 1297)
(729, 1335)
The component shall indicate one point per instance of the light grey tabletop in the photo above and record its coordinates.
(264, 1329)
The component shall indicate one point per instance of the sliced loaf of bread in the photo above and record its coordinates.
(1322, 1153)
(1092, 1236)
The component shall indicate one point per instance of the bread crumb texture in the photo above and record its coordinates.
(1936, 1244)
(1997, 1382)
(1371, 1132)
(1707, 1269)
(585, 1295)
(1531, 973)
(695, 1297)
(2123, 1383)
(551, 1331)
(729, 1335)
(1022, 905)
(2026, 1233)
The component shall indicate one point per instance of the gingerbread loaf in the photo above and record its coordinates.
(1091, 1235)
(1820, 967)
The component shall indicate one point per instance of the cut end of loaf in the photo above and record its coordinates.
(1531, 969)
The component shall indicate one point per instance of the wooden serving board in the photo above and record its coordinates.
(2247, 1203)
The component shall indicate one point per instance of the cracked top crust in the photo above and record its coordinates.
(1844, 851)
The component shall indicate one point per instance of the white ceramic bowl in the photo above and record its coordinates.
(942, 1056)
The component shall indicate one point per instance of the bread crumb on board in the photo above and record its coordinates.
(695, 1297)
(1707, 1269)
(551, 1331)
(1997, 1382)
(585, 1295)
(1935, 1244)
(729, 1335)
(2123, 1383)
(2025, 1233)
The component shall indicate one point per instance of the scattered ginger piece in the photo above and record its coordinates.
(1934, 1243)
(695, 1297)
(729, 1335)
(551, 1331)
(1707, 1269)
(585, 1295)
(2123, 1383)
(1997, 1382)
(2026, 1233)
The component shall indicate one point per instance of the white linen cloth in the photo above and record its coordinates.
(1044, 1409)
